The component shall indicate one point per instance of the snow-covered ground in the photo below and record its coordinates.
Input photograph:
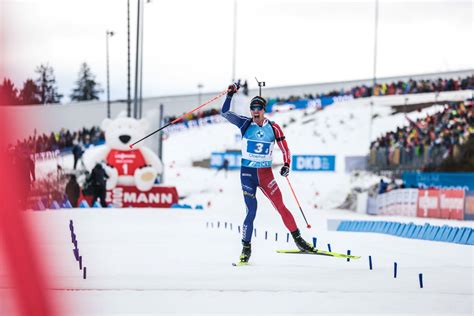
(173, 261)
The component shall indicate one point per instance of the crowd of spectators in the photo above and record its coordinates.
(425, 138)
(394, 88)
(61, 140)
(67, 139)
(193, 116)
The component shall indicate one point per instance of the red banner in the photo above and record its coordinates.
(125, 196)
(158, 196)
(469, 206)
(428, 204)
(452, 204)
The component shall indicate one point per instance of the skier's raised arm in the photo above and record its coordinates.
(238, 120)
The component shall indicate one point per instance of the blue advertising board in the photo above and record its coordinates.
(439, 180)
(321, 102)
(313, 163)
(234, 159)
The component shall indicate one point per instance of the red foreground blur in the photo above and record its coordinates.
(19, 253)
(25, 291)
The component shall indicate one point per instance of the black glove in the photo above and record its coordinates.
(233, 88)
(285, 170)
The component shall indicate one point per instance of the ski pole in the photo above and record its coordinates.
(292, 191)
(181, 117)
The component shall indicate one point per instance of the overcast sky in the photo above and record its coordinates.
(283, 42)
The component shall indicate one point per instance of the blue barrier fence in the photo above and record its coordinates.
(445, 233)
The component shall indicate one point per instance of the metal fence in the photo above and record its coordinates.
(417, 157)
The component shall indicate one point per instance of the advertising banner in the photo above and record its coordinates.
(428, 204)
(402, 202)
(448, 204)
(208, 120)
(322, 102)
(158, 196)
(233, 159)
(405, 202)
(53, 154)
(391, 205)
(313, 163)
(469, 205)
(451, 204)
(412, 202)
(440, 180)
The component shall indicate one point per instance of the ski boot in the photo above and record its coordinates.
(302, 244)
(246, 252)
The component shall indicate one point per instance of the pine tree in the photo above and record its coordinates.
(29, 94)
(87, 88)
(8, 93)
(48, 91)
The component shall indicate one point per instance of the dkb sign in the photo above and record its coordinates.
(313, 163)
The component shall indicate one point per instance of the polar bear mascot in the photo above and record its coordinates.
(125, 166)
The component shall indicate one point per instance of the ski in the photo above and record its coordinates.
(319, 252)
(240, 264)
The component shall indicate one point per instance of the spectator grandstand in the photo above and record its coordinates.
(393, 88)
(62, 140)
(427, 141)
(362, 91)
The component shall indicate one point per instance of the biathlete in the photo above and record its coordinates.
(258, 138)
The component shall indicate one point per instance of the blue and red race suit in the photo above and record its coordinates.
(256, 171)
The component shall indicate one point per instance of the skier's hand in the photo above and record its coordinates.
(285, 170)
(233, 88)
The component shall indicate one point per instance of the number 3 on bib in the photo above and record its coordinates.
(258, 147)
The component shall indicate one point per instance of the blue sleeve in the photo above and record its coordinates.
(240, 121)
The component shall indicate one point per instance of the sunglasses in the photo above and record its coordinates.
(256, 107)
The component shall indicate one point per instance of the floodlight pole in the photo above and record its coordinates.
(129, 100)
(107, 35)
(374, 81)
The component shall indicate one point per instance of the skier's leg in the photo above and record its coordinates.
(82, 163)
(95, 194)
(248, 177)
(249, 190)
(103, 193)
(249, 181)
(270, 188)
